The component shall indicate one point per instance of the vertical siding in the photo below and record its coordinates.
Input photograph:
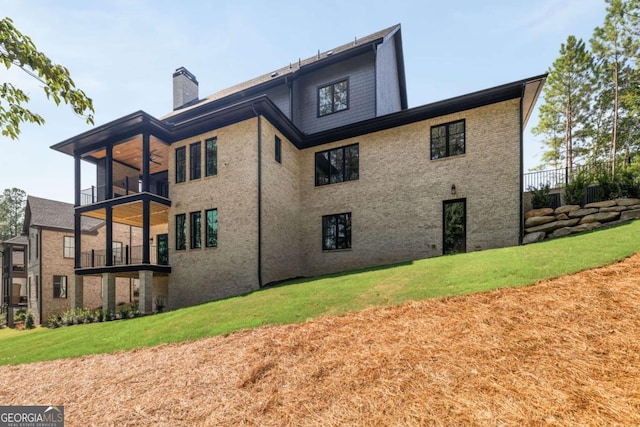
(387, 84)
(362, 98)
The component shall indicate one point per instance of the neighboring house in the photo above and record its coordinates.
(314, 168)
(41, 262)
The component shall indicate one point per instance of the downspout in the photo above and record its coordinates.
(259, 196)
(521, 177)
(39, 284)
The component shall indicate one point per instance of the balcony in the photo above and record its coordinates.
(123, 187)
(131, 255)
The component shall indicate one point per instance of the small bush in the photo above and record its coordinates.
(540, 197)
(20, 315)
(29, 321)
(576, 191)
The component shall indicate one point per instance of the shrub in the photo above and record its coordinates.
(29, 321)
(20, 315)
(576, 191)
(540, 197)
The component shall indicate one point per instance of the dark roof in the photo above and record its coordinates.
(210, 119)
(279, 76)
(18, 240)
(54, 214)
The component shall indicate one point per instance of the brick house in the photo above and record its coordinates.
(314, 168)
(40, 263)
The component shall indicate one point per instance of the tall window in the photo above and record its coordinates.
(117, 252)
(181, 164)
(68, 247)
(278, 149)
(194, 161)
(333, 98)
(196, 230)
(338, 165)
(336, 231)
(211, 228)
(181, 232)
(211, 157)
(447, 140)
(59, 286)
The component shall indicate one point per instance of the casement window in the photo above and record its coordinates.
(181, 232)
(195, 155)
(333, 98)
(117, 252)
(68, 250)
(211, 157)
(338, 165)
(278, 149)
(211, 228)
(447, 140)
(195, 220)
(336, 231)
(181, 164)
(59, 286)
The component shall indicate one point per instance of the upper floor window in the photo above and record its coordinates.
(194, 160)
(447, 140)
(117, 252)
(68, 247)
(333, 98)
(211, 228)
(211, 157)
(336, 231)
(181, 164)
(181, 232)
(196, 229)
(59, 286)
(338, 165)
(278, 149)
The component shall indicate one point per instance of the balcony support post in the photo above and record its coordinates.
(109, 173)
(146, 225)
(109, 236)
(77, 169)
(109, 292)
(77, 291)
(146, 291)
(146, 159)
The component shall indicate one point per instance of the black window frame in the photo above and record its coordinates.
(71, 247)
(181, 232)
(334, 221)
(344, 171)
(181, 164)
(195, 230)
(277, 148)
(447, 139)
(117, 251)
(60, 287)
(332, 85)
(211, 157)
(207, 239)
(195, 161)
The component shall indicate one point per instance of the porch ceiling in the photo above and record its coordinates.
(129, 152)
(131, 214)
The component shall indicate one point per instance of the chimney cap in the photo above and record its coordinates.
(182, 71)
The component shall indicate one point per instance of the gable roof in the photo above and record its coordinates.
(17, 240)
(282, 75)
(54, 214)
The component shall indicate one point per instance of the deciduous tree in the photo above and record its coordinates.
(17, 49)
(12, 204)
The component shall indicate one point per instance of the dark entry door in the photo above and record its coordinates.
(163, 249)
(454, 229)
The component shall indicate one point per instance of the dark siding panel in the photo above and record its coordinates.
(280, 96)
(362, 94)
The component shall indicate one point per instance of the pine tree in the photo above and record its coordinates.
(615, 47)
(563, 116)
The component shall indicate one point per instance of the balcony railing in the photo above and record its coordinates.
(130, 255)
(556, 178)
(123, 187)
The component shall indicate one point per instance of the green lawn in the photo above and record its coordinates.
(299, 300)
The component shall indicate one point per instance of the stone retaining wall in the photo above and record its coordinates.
(569, 219)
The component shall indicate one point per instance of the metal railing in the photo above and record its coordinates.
(123, 187)
(130, 255)
(556, 178)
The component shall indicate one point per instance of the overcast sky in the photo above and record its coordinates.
(122, 53)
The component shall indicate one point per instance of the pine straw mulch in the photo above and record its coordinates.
(564, 352)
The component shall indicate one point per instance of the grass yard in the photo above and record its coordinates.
(300, 300)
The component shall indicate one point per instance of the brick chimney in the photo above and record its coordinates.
(185, 88)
